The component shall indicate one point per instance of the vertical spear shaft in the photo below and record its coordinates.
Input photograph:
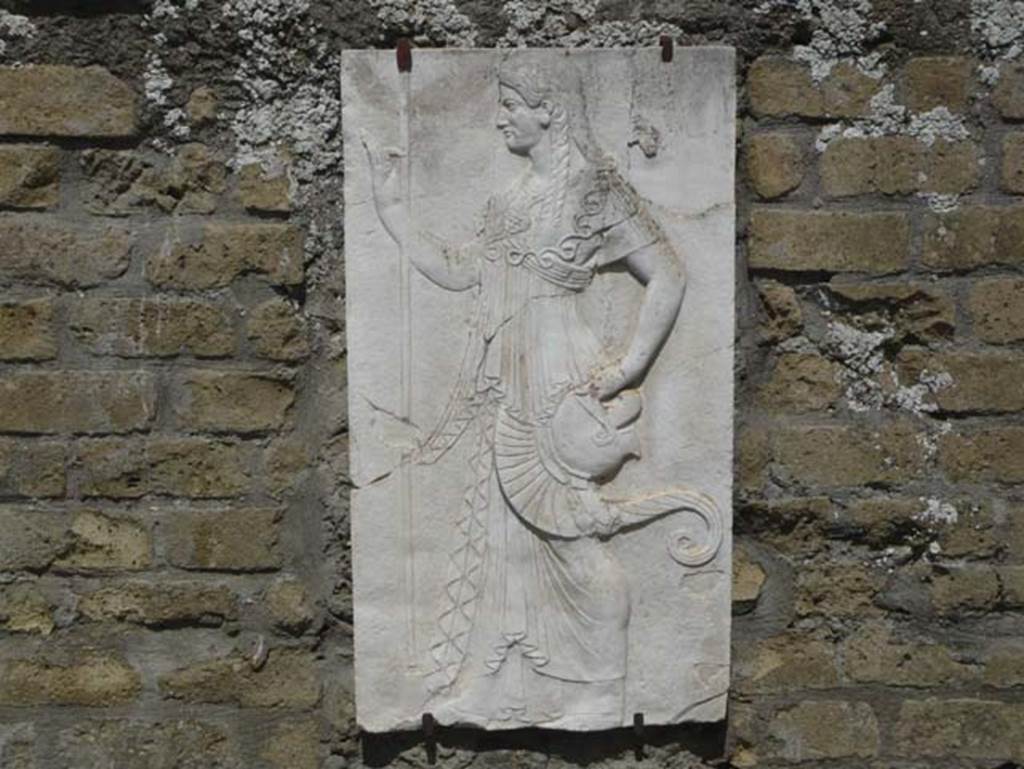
(405, 373)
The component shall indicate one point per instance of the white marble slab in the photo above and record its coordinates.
(541, 432)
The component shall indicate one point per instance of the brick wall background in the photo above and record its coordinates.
(174, 585)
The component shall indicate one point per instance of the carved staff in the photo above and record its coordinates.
(404, 58)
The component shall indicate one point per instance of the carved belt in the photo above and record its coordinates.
(550, 265)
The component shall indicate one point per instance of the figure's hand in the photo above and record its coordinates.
(387, 182)
(608, 381)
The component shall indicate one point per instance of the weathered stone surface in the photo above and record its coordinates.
(26, 608)
(996, 308)
(937, 81)
(1004, 665)
(959, 527)
(17, 745)
(968, 383)
(1011, 582)
(780, 86)
(92, 680)
(30, 468)
(857, 456)
(180, 467)
(47, 100)
(971, 728)
(230, 401)
(784, 318)
(47, 251)
(136, 328)
(828, 241)
(852, 732)
(916, 312)
(293, 745)
(223, 540)
(197, 468)
(962, 589)
(174, 743)
(498, 331)
(27, 331)
(977, 456)
(974, 236)
(747, 580)
(29, 176)
(873, 656)
(837, 589)
(31, 540)
(276, 331)
(776, 163)
(161, 604)
(77, 402)
(267, 190)
(898, 165)
(285, 463)
(288, 680)
(123, 182)
(81, 541)
(1012, 173)
(1008, 94)
(790, 662)
(289, 605)
(202, 106)
(106, 543)
(223, 252)
(802, 382)
(753, 459)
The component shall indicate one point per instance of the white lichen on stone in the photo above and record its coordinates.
(937, 124)
(940, 203)
(171, 9)
(13, 26)
(890, 118)
(988, 74)
(937, 511)
(570, 23)
(842, 28)
(428, 21)
(293, 102)
(869, 381)
(862, 356)
(156, 82)
(613, 34)
(998, 26)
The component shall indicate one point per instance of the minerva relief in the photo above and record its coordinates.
(539, 287)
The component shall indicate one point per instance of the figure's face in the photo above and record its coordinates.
(520, 124)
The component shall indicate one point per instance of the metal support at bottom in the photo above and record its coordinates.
(638, 736)
(429, 737)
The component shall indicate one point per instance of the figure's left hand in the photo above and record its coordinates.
(608, 381)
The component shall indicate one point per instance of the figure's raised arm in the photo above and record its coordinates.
(450, 267)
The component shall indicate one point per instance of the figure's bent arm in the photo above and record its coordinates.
(660, 270)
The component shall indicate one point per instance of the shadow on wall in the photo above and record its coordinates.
(705, 741)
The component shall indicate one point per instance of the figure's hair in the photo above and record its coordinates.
(561, 88)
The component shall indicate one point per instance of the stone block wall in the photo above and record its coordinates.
(174, 582)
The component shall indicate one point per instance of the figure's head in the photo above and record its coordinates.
(529, 106)
(522, 124)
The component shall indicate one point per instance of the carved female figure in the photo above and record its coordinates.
(532, 628)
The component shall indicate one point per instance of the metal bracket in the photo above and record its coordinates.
(403, 54)
(667, 47)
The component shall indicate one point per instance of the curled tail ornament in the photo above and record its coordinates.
(696, 543)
